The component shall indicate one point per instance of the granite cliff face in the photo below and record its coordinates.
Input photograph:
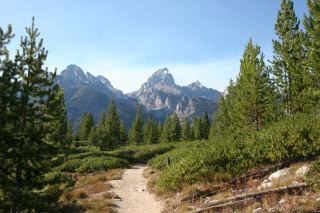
(160, 95)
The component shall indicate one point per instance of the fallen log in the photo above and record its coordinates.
(236, 203)
(255, 194)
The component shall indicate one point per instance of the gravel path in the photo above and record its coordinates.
(131, 190)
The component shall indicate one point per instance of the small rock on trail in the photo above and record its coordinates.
(130, 189)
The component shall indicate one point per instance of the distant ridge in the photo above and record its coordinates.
(159, 95)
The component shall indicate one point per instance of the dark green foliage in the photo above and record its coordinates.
(186, 129)
(102, 130)
(71, 135)
(85, 126)
(288, 58)
(111, 137)
(198, 134)
(93, 136)
(221, 120)
(34, 128)
(92, 164)
(175, 128)
(123, 134)
(136, 133)
(313, 176)
(166, 131)
(312, 43)
(249, 92)
(205, 126)
(160, 130)
(81, 130)
(88, 125)
(150, 131)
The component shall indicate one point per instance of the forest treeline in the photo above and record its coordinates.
(271, 113)
(110, 133)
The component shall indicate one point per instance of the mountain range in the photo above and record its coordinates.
(159, 95)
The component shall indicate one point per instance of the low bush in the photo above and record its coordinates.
(105, 163)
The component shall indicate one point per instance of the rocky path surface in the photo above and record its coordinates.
(131, 189)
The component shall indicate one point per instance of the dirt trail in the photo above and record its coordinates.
(131, 190)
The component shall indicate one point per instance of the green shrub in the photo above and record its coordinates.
(313, 176)
(91, 164)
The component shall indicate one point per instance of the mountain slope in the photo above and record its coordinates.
(160, 95)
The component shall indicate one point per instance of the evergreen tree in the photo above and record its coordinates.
(248, 102)
(71, 135)
(136, 133)
(194, 124)
(81, 131)
(150, 131)
(123, 134)
(88, 124)
(185, 129)
(287, 61)
(102, 130)
(93, 136)
(175, 128)
(33, 129)
(198, 134)
(160, 130)
(205, 126)
(221, 120)
(112, 128)
(166, 131)
(312, 44)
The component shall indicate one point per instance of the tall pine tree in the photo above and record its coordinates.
(112, 128)
(175, 128)
(248, 102)
(136, 133)
(205, 126)
(123, 134)
(33, 129)
(150, 131)
(312, 44)
(166, 131)
(185, 129)
(287, 61)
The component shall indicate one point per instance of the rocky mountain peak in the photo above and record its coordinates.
(161, 76)
(74, 73)
(196, 85)
(104, 80)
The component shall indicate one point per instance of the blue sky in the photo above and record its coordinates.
(128, 40)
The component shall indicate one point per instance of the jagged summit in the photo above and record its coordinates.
(74, 73)
(196, 85)
(161, 76)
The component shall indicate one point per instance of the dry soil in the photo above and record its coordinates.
(134, 197)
